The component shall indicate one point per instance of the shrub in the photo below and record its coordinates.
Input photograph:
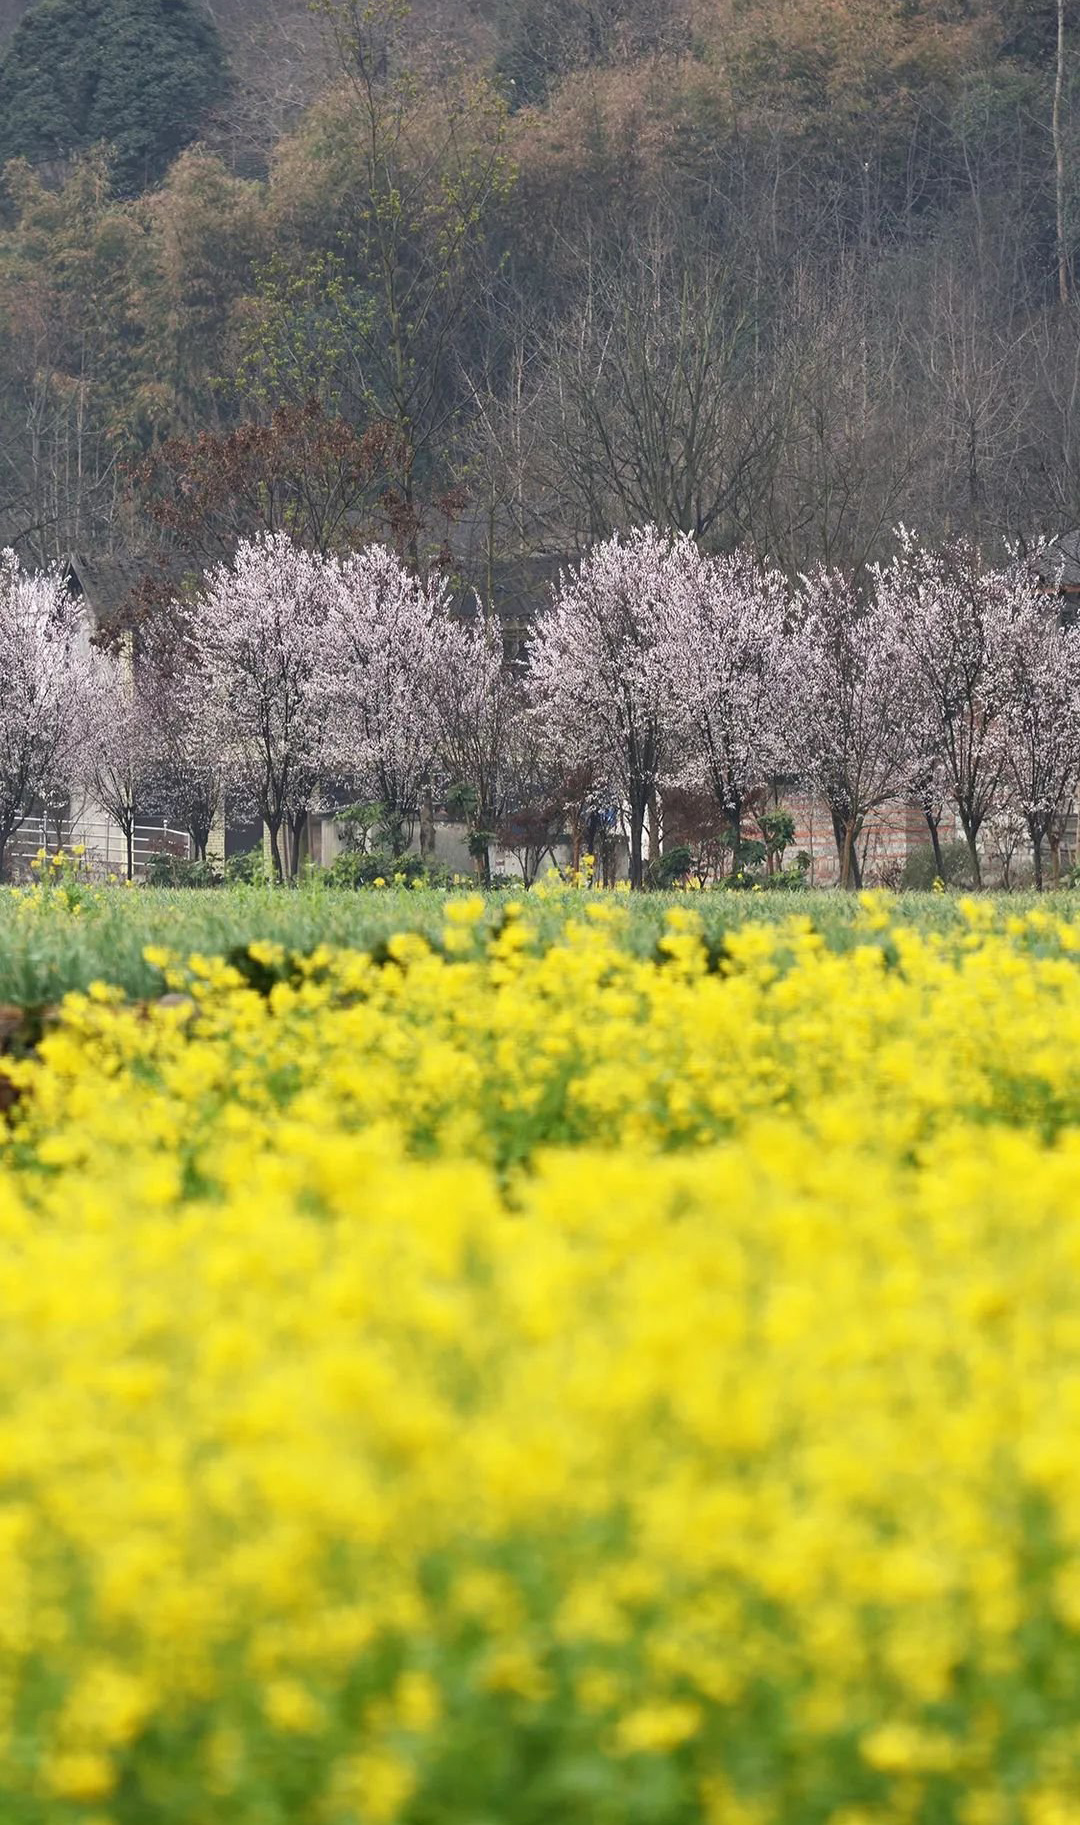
(750, 878)
(363, 868)
(670, 867)
(921, 869)
(357, 824)
(249, 869)
(179, 871)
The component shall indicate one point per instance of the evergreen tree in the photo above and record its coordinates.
(137, 75)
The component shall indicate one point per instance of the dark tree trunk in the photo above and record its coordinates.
(427, 822)
(637, 826)
(1036, 852)
(481, 856)
(845, 834)
(274, 831)
(971, 834)
(296, 837)
(935, 843)
(654, 826)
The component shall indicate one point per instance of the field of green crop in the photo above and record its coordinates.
(56, 941)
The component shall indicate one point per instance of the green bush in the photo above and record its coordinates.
(786, 880)
(357, 868)
(751, 877)
(360, 823)
(671, 866)
(178, 871)
(249, 869)
(921, 869)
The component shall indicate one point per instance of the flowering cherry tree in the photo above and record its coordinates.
(189, 736)
(385, 638)
(854, 710)
(119, 751)
(261, 627)
(1036, 667)
(726, 668)
(951, 613)
(655, 664)
(476, 705)
(929, 783)
(43, 683)
(594, 677)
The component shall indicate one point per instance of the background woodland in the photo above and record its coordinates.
(494, 280)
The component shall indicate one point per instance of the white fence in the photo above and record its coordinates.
(103, 842)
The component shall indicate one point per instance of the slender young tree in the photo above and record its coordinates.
(854, 721)
(950, 611)
(384, 642)
(189, 735)
(539, 797)
(261, 627)
(929, 784)
(475, 703)
(43, 688)
(726, 668)
(594, 680)
(120, 749)
(1037, 685)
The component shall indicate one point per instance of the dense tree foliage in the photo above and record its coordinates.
(779, 278)
(137, 75)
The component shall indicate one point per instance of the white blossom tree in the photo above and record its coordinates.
(119, 748)
(855, 707)
(261, 627)
(951, 612)
(476, 707)
(1036, 668)
(594, 679)
(385, 637)
(43, 684)
(726, 673)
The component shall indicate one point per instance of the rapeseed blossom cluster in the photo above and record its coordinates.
(485, 1381)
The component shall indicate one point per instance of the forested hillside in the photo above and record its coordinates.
(498, 280)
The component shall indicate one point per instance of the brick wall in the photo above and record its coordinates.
(887, 840)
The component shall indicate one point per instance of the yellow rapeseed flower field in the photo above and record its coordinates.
(494, 1383)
